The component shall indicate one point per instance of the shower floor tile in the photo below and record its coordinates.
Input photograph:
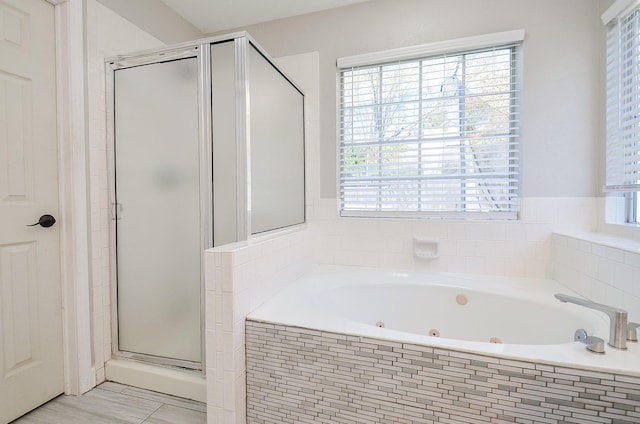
(113, 403)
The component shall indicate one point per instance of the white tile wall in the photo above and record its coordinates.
(603, 269)
(518, 248)
(239, 278)
(108, 34)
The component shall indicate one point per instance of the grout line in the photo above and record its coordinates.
(151, 414)
(188, 404)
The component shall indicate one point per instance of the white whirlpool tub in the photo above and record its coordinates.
(353, 345)
(516, 318)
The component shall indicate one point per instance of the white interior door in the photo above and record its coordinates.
(31, 361)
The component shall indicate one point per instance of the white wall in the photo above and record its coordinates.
(108, 34)
(155, 18)
(562, 65)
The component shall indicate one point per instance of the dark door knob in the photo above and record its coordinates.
(44, 221)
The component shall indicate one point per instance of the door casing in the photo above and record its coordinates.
(71, 65)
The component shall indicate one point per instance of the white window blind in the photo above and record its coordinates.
(437, 135)
(623, 103)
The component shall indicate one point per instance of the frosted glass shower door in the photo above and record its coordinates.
(276, 146)
(158, 237)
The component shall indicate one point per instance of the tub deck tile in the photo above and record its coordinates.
(359, 382)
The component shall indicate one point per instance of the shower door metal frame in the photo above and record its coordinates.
(114, 64)
(199, 49)
(243, 46)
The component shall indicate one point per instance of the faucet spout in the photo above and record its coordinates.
(617, 319)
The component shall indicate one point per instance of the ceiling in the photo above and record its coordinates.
(218, 15)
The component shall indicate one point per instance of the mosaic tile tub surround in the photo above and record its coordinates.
(297, 375)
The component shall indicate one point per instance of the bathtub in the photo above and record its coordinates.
(508, 317)
(362, 345)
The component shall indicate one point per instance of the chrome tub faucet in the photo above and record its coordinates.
(593, 344)
(632, 334)
(617, 317)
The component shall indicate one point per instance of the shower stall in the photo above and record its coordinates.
(207, 148)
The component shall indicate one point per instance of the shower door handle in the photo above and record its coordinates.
(45, 221)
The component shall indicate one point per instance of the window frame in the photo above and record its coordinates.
(457, 47)
(617, 128)
(632, 207)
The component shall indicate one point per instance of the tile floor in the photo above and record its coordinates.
(113, 403)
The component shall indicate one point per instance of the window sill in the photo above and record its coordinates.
(631, 245)
(457, 216)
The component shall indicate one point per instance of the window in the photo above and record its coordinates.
(436, 135)
(623, 104)
(632, 202)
